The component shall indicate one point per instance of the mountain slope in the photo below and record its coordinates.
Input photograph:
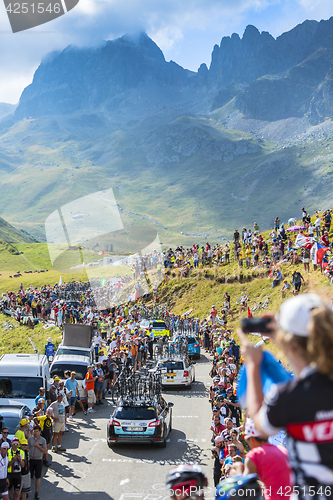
(188, 153)
(10, 234)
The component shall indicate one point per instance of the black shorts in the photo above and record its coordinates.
(14, 480)
(47, 436)
(3, 486)
(36, 467)
(110, 376)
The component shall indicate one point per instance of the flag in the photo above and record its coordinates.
(317, 253)
(301, 240)
(249, 314)
(101, 252)
(60, 281)
(272, 373)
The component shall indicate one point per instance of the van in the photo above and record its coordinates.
(21, 376)
(76, 341)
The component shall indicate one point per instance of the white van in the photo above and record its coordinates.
(21, 376)
(75, 363)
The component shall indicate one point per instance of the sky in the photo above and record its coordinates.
(185, 30)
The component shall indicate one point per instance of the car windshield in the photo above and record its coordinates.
(159, 324)
(10, 422)
(191, 340)
(171, 366)
(60, 368)
(72, 352)
(135, 413)
(20, 387)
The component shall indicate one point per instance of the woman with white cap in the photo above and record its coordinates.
(304, 406)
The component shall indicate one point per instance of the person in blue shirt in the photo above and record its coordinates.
(41, 395)
(72, 388)
(233, 452)
(49, 348)
(277, 279)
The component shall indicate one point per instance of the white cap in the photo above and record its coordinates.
(5, 444)
(250, 429)
(49, 339)
(294, 313)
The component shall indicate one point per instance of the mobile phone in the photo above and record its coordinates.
(256, 325)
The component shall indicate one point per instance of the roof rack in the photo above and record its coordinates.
(135, 388)
(171, 348)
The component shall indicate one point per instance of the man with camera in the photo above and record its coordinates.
(216, 457)
(15, 465)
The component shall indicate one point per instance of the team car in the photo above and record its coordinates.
(176, 371)
(193, 347)
(158, 327)
(190, 343)
(140, 422)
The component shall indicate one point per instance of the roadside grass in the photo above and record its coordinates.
(17, 339)
(204, 287)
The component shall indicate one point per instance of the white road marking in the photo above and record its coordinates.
(185, 416)
(124, 481)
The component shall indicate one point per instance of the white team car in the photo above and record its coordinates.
(176, 371)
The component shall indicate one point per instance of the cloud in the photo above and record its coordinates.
(185, 30)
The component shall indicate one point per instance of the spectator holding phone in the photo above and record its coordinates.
(304, 406)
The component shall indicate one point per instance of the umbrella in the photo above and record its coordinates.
(294, 228)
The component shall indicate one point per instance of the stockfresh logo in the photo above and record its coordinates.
(24, 15)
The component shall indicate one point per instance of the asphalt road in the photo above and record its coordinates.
(91, 470)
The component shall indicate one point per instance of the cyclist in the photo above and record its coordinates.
(186, 481)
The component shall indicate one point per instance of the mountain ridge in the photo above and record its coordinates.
(207, 147)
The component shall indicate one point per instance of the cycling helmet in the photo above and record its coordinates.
(189, 479)
(239, 487)
(216, 378)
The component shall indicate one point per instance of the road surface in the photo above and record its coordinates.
(91, 470)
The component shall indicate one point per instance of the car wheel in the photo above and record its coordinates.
(170, 426)
(162, 444)
(111, 445)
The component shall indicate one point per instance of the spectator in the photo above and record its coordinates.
(90, 384)
(217, 426)
(268, 461)
(38, 410)
(4, 483)
(301, 406)
(286, 287)
(306, 259)
(317, 226)
(52, 395)
(41, 395)
(72, 391)
(233, 450)
(216, 457)
(37, 451)
(99, 383)
(25, 472)
(45, 423)
(61, 389)
(49, 349)
(15, 464)
(4, 436)
(236, 442)
(59, 423)
(297, 280)
(277, 279)
(24, 430)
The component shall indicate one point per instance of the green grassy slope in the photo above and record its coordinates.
(160, 177)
